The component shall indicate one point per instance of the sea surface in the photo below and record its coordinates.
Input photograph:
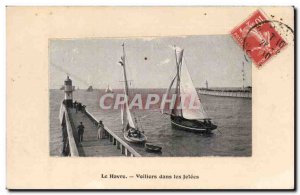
(233, 116)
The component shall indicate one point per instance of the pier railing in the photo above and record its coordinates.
(116, 140)
(71, 140)
(72, 143)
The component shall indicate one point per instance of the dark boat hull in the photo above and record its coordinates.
(191, 125)
(152, 148)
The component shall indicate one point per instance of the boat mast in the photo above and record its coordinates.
(124, 70)
(177, 91)
(123, 63)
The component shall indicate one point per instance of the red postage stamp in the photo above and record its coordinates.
(258, 38)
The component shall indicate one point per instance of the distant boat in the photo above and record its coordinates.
(184, 117)
(131, 131)
(90, 88)
(108, 89)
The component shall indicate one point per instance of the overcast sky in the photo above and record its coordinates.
(151, 61)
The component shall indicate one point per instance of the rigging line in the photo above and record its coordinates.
(69, 73)
(140, 124)
(177, 80)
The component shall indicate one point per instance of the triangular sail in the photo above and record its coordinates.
(108, 89)
(190, 102)
(187, 103)
(128, 119)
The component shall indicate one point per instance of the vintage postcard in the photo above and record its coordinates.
(150, 98)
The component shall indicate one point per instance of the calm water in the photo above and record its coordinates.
(232, 115)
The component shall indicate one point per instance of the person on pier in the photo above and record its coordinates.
(80, 129)
(75, 106)
(101, 131)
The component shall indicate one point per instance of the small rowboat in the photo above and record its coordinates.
(150, 147)
(134, 138)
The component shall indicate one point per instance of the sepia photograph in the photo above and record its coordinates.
(150, 96)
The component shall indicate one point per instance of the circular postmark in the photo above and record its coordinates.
(265, 39)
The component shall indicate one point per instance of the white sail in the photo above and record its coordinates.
(190, 102)
(128, 114)
(108, 89)
(126, 117)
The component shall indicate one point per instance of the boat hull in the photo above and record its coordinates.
(131, 139)
(152, 148)
(191, 125)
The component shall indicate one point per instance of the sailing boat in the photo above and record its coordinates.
(90, 87)
(108, 89)
(131, 130)
(187, 112)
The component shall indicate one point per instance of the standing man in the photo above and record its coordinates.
(80, 129)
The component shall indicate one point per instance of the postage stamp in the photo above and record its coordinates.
(259, 38)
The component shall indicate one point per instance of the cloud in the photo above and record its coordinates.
(166, 61)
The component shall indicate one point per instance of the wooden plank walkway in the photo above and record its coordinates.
(91, 146)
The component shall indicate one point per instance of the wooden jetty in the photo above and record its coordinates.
(111, 145)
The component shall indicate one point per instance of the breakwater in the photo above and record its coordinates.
(227, 92)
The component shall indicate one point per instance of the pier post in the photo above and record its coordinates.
(110, 138)
(127, 152)
(106, 134)
(118, 145)
(122, 149)
(114, 141)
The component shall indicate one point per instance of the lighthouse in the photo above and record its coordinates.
(68, 92)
